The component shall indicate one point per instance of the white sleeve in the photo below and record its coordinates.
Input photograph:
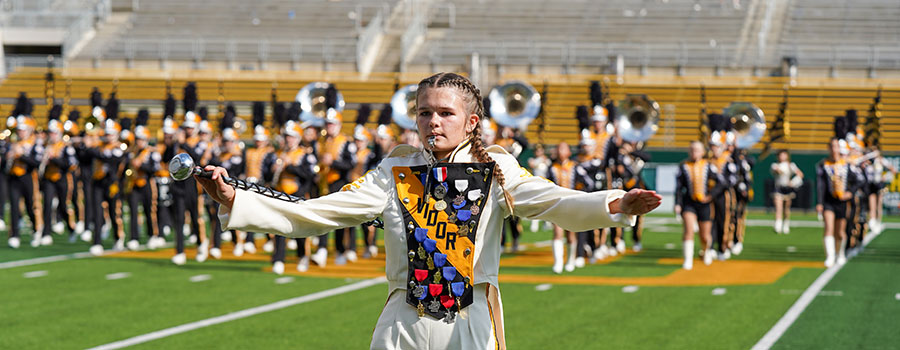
(794, 169)
(538, 198)
(358, 202)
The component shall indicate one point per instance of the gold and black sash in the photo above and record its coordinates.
(441, 210)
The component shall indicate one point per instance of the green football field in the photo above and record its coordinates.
(639, 301)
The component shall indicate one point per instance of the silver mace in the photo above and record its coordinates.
(181, 167)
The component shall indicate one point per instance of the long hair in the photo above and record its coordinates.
(474, 105)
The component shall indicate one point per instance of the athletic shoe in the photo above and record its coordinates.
(708, 257)
(179, 259)
(47, 240)
(320, 257)
(36, 240)
(727, 254)
(225, 236)
(216, 253)
(570, 266)
(314, 241)
(579, 262)
(238, 250)
(303, 265)
(620, 247)
(104, 231)
(87, 235)
(191, 238)
(291, 244)
(2, 225)
(599, 254)
(611, 251)
(738, 248)
(250, 247)
(79, 227)
(133, 244)
(688, 264)
(829, 261)
(269, 246)
(166, 230)
(202, 252)
(778, 226)
(558, 267)
(278, 267)
(786, 229)
(58, 227)
(96, 250)
(535, 224)
(351, 256)
(373, 251)
(119, 245)
(637, 247)
(340, 259)
(13, 242)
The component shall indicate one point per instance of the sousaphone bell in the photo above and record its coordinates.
(749, 123)
(638, 118)
(514, 104)
(403, 104)
(313, 103)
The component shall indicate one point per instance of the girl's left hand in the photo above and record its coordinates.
(636, 202)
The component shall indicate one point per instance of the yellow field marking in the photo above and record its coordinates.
(720, 273)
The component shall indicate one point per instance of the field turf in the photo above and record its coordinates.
(639, 301)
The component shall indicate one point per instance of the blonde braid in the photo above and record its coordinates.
(475, 104)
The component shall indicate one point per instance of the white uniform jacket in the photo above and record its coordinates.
(375, 195)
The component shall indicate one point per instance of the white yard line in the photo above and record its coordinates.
(772, 336)
(242, 314)
(63, 257)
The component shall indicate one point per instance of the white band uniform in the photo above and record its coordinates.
(375, 195)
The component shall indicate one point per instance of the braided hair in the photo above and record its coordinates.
(474, 105)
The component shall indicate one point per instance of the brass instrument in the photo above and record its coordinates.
(749, 123)
(403, 104)
(638, 118)
(313, 108)
(514, 104)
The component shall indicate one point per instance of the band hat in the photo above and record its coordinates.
(260, 133)
(228, 134)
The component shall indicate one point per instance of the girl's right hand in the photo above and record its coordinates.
(216, 187)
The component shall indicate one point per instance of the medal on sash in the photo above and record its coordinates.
(475, 209)
(464, 215)
(421, 235)
(439, 261)
(459, 202)
(440, 191)
(440, 173)
(440, 205)
(461, 185)
(435, 290)
(473, 195)
(420, 309)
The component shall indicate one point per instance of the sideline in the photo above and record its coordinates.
(772, 336)
(64, 257)
(241, 314)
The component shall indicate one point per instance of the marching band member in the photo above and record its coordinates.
(253, 168)
(833, 178)
(58, 160)
(367, 158)
(514, 142)
(109, 158)
(629, 162)
(5, 134)
(190, 142)
(22, 158)
(788, 177)
(588, 177)
(337, 157)
(229, 155)
(540, 167)
(721, 138)
(292, 170)
(165, 188)
(562, 174)
(76, 198)
(881, 173)
(697, 183)
(438, 264)
(743, 194)
(143, 167)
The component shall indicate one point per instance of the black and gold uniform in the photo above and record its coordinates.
(109, 161)
(743, 193)
(341, 150)
(59, 160)
(722, 206)
(23, 157)
(293, 171)
(144, 167)
(231, 157)
(697, 183)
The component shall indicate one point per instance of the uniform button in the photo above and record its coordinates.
(402, 176)
(406, 200)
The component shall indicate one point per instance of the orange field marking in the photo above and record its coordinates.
(731, 272)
